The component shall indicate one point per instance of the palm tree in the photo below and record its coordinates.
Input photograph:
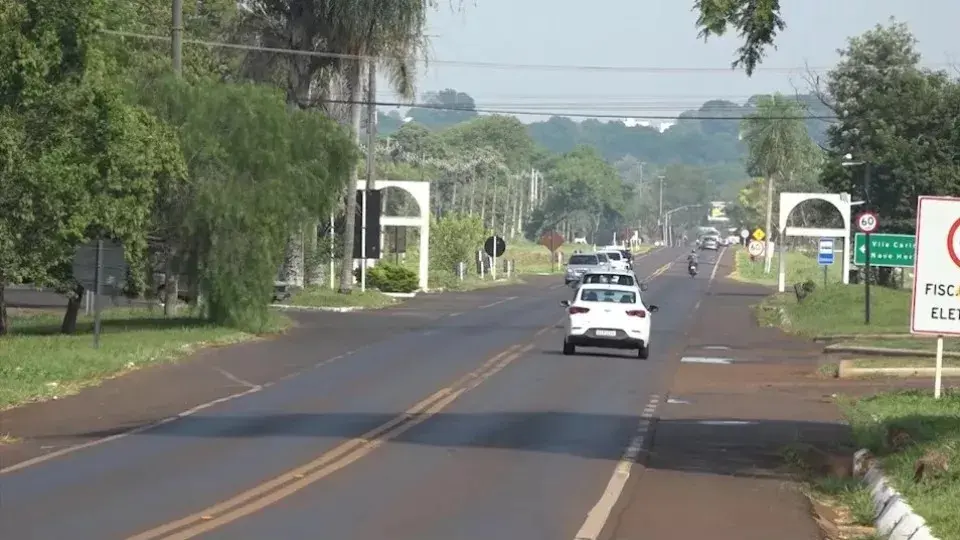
(392, 31)
(778, 144)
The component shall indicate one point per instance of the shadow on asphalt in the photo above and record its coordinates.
(722, 446)
(625, 354)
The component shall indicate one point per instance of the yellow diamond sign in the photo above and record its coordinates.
(758, 234)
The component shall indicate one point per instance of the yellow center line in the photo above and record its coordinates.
(267, 493)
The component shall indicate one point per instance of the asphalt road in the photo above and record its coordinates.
(473, 426)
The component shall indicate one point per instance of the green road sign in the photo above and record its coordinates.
(895, 250)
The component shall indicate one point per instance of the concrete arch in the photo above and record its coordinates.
(789, 201)
(420, 191)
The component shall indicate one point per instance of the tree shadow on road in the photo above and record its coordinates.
(722, 446)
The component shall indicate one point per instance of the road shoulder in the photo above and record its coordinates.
(716, 466)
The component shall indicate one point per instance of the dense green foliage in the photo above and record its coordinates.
(391, 278)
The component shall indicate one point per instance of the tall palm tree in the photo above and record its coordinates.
(390, 30)
(778, 145)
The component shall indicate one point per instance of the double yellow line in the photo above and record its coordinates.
(348, 452)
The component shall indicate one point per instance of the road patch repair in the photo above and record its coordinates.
(706, 360)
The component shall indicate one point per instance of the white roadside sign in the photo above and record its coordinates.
(935, 308)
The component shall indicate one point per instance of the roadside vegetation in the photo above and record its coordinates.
(38, 363)
(905, 430)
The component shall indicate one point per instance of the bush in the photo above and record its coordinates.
(453, 239)
(392, 278)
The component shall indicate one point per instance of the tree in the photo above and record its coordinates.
(779, 146)
(449, 107)
(756, 21)
(897, 117)
(77, 161)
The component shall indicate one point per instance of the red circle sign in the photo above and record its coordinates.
(951, 242)
(867, 222)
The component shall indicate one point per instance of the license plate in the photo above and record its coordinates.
(607, 333)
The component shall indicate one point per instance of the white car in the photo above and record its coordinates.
(617, 260)
(609, 317)
(611, 277)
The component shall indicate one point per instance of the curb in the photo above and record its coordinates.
(880, 351)
(400, 294)
(893, 517)
(345, 309)
(845, 370)
(838, 337)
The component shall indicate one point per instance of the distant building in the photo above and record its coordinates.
(639, 122)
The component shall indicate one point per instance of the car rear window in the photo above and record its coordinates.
(612, 296)
(583, 259)
(615, 279)
(615, 255)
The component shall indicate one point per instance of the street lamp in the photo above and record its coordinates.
(849, 162)
(667, 217)
(663, 230)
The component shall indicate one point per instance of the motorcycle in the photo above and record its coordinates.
(692, 269)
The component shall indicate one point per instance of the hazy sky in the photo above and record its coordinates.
(644, 36)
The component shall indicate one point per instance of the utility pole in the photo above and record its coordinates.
(663, 230)
(769, 223)
(176, 37)
(371, 151)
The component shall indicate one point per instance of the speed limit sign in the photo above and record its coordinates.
(755, 248)
(867, 222)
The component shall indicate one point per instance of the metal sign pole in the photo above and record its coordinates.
(97, 279)
(938, 374)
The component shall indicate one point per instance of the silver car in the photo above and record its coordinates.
(710, 242)
(581, 263)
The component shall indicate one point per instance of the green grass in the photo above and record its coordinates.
(932, 425)
(903, 362)
(914, 344)
(325, 297)
(839, 310)
(37, 363)
(800, 268)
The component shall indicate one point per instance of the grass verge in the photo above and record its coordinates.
(902, 428)
(800, 268)
(325, 297)
(839, 310)
(37, 363)
(907, 362)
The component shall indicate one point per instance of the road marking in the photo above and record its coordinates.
(716, 265)
(344, 454)
(189, 412)
(454, 314)
(598, 515)
(705, 360)
(498, 302)
(236, 379)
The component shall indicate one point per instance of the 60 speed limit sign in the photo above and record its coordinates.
(867, 222)
(755, 248)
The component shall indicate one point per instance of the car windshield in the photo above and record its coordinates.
(615, 279)
(608, 295)
(603, 258)
(584, 259)
(613, 255)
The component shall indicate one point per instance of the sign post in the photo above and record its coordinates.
(552, 240)
(494, 246)
(867, 222)
(825, 256)
(890, 250)
(935, 309)
(100, 267)
(744, 234)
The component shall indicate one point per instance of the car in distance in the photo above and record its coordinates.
(617, 260)
(626, 279)
(609, 317)
(581, 263)
(710, 242)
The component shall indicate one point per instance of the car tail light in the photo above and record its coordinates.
(637, 313)
(575, 310)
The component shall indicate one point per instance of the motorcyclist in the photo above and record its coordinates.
(692, 257)
(692, 263)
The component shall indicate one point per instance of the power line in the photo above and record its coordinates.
(519, 112)
(467, 63)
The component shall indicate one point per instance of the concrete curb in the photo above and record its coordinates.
(345, 309)
(840, 337)
(892, 516)
(401, 294)
(846, 370)
(881, 351)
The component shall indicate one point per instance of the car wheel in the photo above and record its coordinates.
(644, 352)
(569, 349)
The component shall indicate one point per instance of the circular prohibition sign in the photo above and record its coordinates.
(952, 242)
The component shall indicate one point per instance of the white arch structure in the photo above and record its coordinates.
(420, 191)
(840, 201)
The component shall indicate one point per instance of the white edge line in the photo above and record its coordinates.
(597, 517)
(498, 302)
(153, 425)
